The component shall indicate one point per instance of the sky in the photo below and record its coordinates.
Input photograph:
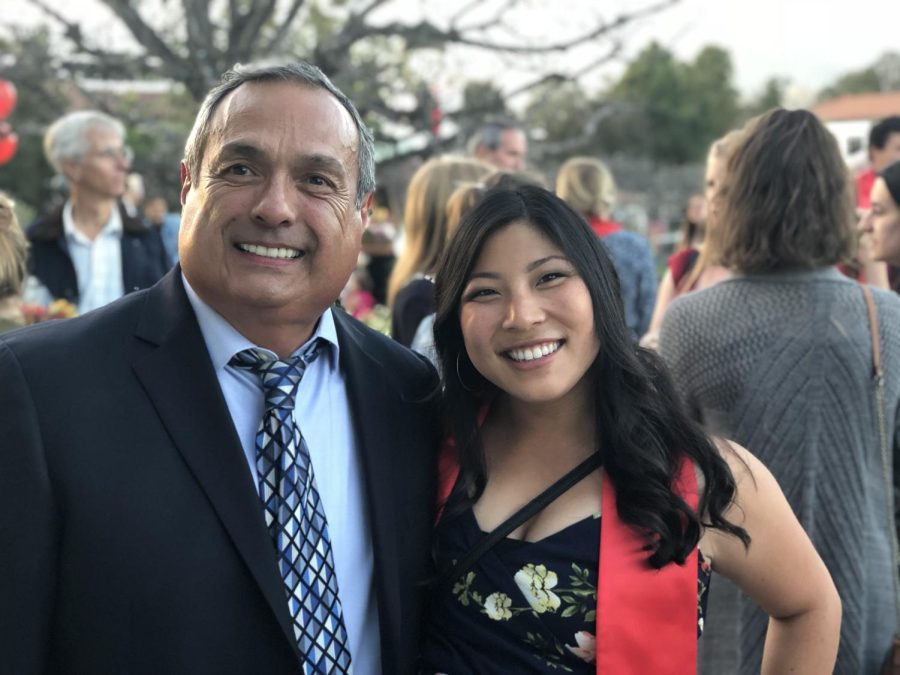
(810, 42)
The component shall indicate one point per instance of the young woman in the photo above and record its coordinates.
(882, 222)
(779, 358)
(694, 267)
(588, 186)
(541, 374)
(410, 289)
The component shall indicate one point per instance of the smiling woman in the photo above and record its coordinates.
(542, 376)
(882, 223)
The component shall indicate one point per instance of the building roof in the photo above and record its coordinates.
(859, 107)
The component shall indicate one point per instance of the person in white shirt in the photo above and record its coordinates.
(90, 251)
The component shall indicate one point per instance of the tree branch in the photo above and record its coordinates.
(72, 30)
(465, 9)
(142, 32)
(427, 34)
(261, 11)
(202, 53)
(274, 44)
(365, 11)
(490, 23)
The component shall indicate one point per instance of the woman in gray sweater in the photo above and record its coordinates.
(779, 359)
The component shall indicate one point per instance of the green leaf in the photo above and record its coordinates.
(591, 616)
(571, 610)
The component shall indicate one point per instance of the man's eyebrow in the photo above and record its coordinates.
(314, 161)
(529, 268)
(238, 149)
(320, 162)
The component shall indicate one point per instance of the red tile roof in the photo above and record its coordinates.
(859, 107)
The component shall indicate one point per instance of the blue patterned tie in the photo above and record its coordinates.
(295, 516)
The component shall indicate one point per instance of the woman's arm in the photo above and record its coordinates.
(664, 296)
(781, 571)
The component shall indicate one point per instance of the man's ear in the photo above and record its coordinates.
(185, 181)
(366, 210)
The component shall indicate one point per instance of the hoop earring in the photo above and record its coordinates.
(459, 376)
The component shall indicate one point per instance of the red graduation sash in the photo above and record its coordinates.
(646, 618)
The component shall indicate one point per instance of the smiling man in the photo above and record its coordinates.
(246, 482)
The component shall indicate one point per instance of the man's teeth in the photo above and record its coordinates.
(532, 353)
(267, 252)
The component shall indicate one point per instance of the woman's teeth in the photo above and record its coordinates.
(532, 353)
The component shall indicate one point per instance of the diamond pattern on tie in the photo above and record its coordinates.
(295, 515)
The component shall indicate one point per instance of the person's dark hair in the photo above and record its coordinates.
(510, 180)
(879, 134)
(644, 432)
(303, 74)
(786, 201)
(891, 178)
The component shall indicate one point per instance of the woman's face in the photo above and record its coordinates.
(882, 224)
(715, 170)
(527, 318)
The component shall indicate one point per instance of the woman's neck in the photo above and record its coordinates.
(561, 430)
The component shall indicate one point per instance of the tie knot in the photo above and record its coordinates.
(279, 379)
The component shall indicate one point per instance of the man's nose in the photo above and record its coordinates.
(275, 205)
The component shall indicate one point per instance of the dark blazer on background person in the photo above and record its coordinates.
(144, 258)
(132, 538)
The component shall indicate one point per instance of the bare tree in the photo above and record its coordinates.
(359, 43)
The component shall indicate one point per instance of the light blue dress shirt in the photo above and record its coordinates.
(97, 262)
(322, 411)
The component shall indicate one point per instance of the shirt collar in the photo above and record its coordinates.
(224, 341)
(113, 225)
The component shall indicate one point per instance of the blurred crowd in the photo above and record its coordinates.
(757, 313)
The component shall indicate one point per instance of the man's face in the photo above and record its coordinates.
(510, 153)
(269, 226)
(890, 153)
(103, 169)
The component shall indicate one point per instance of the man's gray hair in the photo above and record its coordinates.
(303, 73)
(67, 137)
(490, 133)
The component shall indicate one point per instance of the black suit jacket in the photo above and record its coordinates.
(144, 259)
(131, 535)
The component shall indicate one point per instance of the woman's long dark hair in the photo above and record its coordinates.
(643, 429)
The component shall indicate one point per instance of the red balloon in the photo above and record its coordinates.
(8, 146)
(8, 98)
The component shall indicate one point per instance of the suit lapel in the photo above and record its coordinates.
(180, 381)
(369, 398)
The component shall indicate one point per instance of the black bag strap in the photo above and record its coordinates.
(532, 508)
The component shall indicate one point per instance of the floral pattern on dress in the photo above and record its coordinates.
(497, 607)
(585, 646)
(540, 588)
(531, 604)
(535, 582)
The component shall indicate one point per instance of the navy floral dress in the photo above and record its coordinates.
(525, 607)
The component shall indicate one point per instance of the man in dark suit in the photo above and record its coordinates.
(137, 441)
(90, 250)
